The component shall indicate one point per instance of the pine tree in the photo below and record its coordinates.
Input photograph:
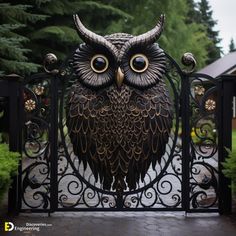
(232, 47)
(13, 54)
(57, 34)
(55, 31)
(178, 36)
(193, 13)
(207, 20)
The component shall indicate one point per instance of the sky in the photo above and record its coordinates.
(224, 11)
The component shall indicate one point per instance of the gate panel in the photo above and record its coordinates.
(162, 186)
(186, 179)
(37, 146)
(204, 156)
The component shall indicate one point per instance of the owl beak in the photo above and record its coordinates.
(119, 77)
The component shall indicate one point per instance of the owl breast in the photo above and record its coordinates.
(119, 132)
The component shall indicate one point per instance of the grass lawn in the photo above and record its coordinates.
(234, 140)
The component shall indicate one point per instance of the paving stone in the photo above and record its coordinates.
(122, 224)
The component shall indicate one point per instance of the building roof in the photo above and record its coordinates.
(224, 65)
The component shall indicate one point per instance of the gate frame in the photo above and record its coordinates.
(227, 91)
(185, 109)
(11, 88)
(225, 98)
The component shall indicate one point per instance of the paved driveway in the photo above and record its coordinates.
(122, 224)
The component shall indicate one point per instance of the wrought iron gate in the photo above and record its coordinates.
(187, 179)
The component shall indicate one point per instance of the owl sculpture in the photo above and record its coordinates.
(119, 112)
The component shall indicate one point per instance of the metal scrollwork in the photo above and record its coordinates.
(49, 60)
(189, 61)
(204, 145)
(161, 186)
(78, 188)
(36, 147)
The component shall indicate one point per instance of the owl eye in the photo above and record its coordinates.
(139, 63)
(99, 63)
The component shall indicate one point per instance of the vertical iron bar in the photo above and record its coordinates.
(119, 201)
(225, 141)
(185, 116)
(21, 125)
(14, 139)
(53, 139)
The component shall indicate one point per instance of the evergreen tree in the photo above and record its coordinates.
(55, 31)
(232, 46)
(57, 34)
(207, 20)
(193, 13)
(13, 54)
(178, 36)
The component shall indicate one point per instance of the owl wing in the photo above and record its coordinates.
(155, 130)
(80, 124)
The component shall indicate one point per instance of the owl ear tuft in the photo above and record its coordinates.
(145, 39)
(92, 38)
(152, 35)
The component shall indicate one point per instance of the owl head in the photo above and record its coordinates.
(119, 59)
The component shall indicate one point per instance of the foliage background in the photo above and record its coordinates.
(8, 167)
(230, 163)
(31, 28)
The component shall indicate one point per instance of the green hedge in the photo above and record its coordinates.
(230, 168)
(8, 167)
(230, 163)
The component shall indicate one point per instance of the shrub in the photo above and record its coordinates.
(8, 167)
(230, 168)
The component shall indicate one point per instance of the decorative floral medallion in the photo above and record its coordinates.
(30, 105)
(210, 105)
(39, 90)
(199, 90)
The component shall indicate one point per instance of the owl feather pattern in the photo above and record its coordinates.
(119, 116)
